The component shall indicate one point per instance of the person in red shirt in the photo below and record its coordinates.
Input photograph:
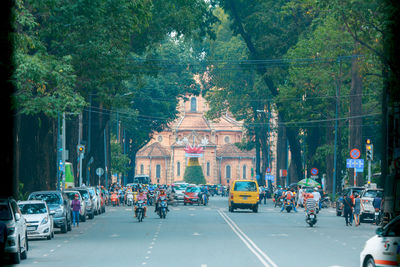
(142, 196)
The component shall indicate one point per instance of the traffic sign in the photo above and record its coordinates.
(269, 177)
(355, 153)
(99, 171)
(355, 163)
(314, 171)
(268, 170)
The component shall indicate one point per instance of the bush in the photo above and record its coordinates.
(194, 175)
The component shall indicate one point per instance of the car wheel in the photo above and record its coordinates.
(69, 225)
(64, 227)
(83, 218)
(16, 257)
(369, 262)
(255, 209)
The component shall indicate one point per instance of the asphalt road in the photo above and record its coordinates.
(204, 236)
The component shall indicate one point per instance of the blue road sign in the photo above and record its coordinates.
(355, 163)
(269, 177)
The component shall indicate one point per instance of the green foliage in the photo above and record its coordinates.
(194, 175)
(119, 161)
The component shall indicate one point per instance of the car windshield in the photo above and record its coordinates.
(245, 186)
(5, 213)
(50, 198)
(33, 208)
(84, 194)
(193, 190)
(71, 195)
(371, 193)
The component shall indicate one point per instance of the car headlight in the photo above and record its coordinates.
(59, 211)
(10, 230)
(45, 220)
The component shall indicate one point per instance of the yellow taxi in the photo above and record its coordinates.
(244, 195)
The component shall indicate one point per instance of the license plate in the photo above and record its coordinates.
(31, 228)
(312, 216)
(245, 198)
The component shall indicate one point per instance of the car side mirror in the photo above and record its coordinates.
(17, 216)
(379, 231)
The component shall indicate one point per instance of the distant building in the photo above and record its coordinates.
(163, 158)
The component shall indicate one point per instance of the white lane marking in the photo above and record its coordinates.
(203, 265)
(195, 233)
(264, 259)
(51, 250)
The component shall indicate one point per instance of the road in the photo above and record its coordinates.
(204, 236)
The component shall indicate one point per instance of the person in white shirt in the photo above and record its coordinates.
(317, 196)
(300, 197)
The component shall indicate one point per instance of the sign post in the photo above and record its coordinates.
(99, 172)
(355, 154)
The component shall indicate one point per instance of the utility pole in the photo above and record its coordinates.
(63, 155)
(336, 129)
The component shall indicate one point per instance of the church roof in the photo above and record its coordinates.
(155, 150)
(193, 121)
(232, 151)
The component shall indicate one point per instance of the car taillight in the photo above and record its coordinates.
(231, 196)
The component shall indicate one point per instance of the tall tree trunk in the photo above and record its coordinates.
(355, 121)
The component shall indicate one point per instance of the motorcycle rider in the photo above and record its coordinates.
(142, 196)
(162, 194)
(317, 197)
(310, 203)
(290, 198)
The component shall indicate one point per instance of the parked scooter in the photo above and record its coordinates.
(163, 207)
(325, 202)
(311, 218)
(140, 210)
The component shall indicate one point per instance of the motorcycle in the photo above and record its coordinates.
(150, 198)
(114, 200)
(311, 218)
(325, 202)
(140, 210)
(204, 199)
(162, 208)
(129, 199)
(288, 206)
(278, 202)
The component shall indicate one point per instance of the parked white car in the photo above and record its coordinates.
(17, 237)
(39, 219)
(383, 249)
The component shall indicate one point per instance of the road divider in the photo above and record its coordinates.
(261, 256)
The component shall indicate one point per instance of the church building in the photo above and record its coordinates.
(164, 160)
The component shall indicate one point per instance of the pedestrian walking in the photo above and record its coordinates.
(348, 210)
(300, 197)
(264, 192)
(76, 207)
(358, 205)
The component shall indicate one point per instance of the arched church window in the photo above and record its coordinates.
(228, 171)
(193, 104)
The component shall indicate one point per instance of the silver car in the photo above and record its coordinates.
(96, 200)
(88, 199)
(71, 195)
